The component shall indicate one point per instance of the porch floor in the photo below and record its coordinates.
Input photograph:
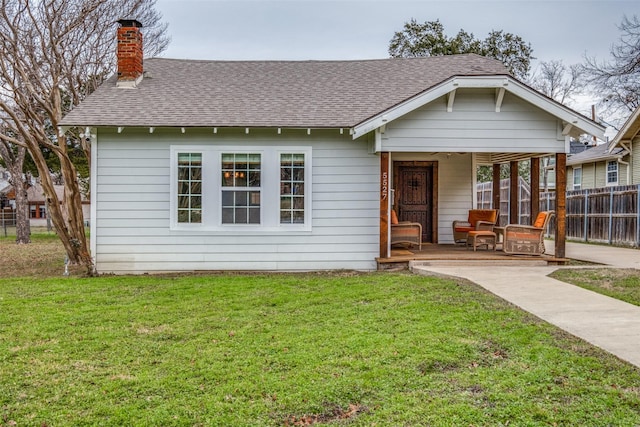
(435, 254)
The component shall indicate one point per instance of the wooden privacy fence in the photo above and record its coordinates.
(609, 215)
(485, 200)
(605, 215)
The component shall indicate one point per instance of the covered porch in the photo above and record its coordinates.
(440, 188)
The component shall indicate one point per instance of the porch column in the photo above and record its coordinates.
(561, 203)
(514, 200)
(496, 189)
(384, 205)
(535, 188)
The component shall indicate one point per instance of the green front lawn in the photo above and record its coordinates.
(276, 350)
(622, 284)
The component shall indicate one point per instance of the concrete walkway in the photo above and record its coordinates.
(608, 323)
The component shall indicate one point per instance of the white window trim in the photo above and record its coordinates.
(212, 189)
(579, 186)
(612, 184)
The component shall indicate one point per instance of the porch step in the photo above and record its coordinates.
(507, 262)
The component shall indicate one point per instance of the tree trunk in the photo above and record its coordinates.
(14, 160)
(23, 227)
(66, 214)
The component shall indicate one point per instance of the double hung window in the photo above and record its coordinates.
(612, 173)
(241, 188)
(189, 197)
(577, 178)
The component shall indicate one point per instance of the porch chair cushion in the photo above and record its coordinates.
(541, 219)
(394, 217)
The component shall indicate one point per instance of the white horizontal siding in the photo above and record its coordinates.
(133, 200)
(475, 126)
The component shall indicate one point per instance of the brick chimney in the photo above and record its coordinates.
(129, 53)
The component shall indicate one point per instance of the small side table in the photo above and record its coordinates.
(481, 238)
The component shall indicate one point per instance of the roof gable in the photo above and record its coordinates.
(629, 130)
(574, 123)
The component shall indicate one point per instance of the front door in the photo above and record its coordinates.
(415, 186)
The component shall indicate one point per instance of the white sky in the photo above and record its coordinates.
(361, 29)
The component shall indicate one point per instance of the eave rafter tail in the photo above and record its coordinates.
(499, 158)
(451, 97)
(499, 98)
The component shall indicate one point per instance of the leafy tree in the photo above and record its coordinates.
(53, 54)
(429, 39)
(485, 172)
(617, 80)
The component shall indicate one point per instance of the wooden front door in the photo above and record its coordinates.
(415, 185)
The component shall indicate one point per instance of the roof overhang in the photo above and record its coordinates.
(602, 158)
(574, 123)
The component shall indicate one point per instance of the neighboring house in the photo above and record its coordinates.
(597, 167)
(37, 203)
(296, 165)
(608, 164)
(548, 166)
(628, 139)
(4, 178)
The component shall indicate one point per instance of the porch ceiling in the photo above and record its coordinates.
(493, 158)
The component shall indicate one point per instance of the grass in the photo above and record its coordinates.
(622, 284)
(43, 258)
(292, 349)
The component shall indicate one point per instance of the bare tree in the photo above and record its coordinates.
(617, 81)
(558, 81)
(562, 84)
(53, 53)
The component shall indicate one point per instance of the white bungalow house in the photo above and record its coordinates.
(296, 165)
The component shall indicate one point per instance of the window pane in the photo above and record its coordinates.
(241, 216)
(227, 198)
(254, 216)
(254, 179)
(298, 203)
(298, 217)
(254, 198)
(285, 204)
(227, 215)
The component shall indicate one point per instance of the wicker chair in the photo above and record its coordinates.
(405, 232)
(527, 239)
(478, 219)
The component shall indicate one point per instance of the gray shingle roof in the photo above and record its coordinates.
(595, 154)
(317, 94)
